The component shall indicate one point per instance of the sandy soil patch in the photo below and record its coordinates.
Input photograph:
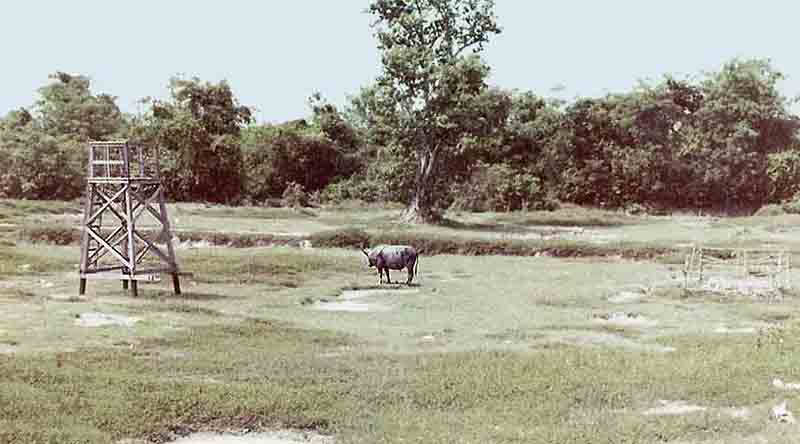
(626, 297)
(722, 329)
(355, 300)
(279, 437)
(190, 244)
(674, 408)
(738, 412)
(781, 413)
(350, 306)
(104, 319)
(777, 383)
(626, 320)
(737, 285)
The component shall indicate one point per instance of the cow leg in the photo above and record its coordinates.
(388, 279)
(410, 274)
(380, 276)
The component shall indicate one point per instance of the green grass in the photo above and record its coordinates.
(491, 345)
(13, 208)
(570, 216)
(272, 374)
(27, 260)
(220, 211)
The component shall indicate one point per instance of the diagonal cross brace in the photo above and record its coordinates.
(107, 246)
(107, 205)
(154, 248)
(97, 255)
(143, 204)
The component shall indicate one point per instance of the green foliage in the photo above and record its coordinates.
(430, 96)
(68, 108)
(352, 188)
(783, 171)
(42, 151)
(341, 238)
(347, 140)
(743, 118)
(279, 155)
(500, 187)
(199, 127)
(792, 206)
(37, 165)
(679, 144)
(295, 196)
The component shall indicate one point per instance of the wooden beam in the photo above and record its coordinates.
(109, 205)
(105, 244)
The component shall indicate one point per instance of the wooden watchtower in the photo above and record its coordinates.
(125, 233)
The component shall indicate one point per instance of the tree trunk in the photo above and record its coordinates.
(420, 209)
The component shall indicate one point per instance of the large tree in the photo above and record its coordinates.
(199, 127)
(432, 94)
(67, 107)
(41, 150)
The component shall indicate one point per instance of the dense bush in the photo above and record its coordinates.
(501, 188)
(292, 153)
(39, 166)
(726, 142)
(784, 175)
(295, 196)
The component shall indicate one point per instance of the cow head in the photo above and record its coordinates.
(370, 259)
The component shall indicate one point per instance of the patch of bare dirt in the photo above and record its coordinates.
(626, 320)
(361, 300)
(104, 319)
(674, 408)
(777, 383)
(724, 329)
(731, 284)
(626, 297)
(277, 437)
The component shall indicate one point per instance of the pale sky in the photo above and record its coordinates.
(275, 54)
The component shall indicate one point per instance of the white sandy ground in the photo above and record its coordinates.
(781, 413)
(777, 383)
(626, 297)
(666, 408)
(353, 300)
(674, 408)
(104, 319)
(626, 320)
(737, 285)
(278, 437)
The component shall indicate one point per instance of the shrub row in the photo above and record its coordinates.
(425, 243)
(436, 244)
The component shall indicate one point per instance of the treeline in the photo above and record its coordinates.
(725, 141)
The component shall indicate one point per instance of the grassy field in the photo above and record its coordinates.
(492, 348)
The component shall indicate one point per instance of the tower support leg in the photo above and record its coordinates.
(82, 287)
(176, 283)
